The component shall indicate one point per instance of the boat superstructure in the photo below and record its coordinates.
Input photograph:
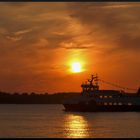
(93, 99)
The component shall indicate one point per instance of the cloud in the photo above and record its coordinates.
(75, 45)
(100, 23)
(14, 38)
(18, 35)
(129, 42)
(32, 21)
(21, 32)
(110, 24)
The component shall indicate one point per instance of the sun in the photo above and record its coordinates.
(76, 67)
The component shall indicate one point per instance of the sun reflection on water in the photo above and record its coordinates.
(76, 127)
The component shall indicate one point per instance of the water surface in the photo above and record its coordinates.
(50, 121)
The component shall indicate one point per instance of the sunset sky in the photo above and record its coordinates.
(39, 42)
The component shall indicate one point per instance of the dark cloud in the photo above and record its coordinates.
(129, 42)
(116, 23)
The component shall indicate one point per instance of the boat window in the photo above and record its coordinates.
(120, 103)
(105, 96)
(129, 103)
(101, 96)
(110, 103)
(105, 103)
(114, 103)
(110, 96)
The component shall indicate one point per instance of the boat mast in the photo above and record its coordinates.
(91, 86)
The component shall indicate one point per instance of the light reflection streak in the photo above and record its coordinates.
(76, 126)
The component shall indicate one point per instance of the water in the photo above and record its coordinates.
(50, 121)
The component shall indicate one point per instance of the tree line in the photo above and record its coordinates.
(36, 98)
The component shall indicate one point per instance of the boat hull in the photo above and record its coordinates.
(101, 108)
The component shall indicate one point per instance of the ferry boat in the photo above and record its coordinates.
(92, 99)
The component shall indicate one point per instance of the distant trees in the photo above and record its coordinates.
(35, 98)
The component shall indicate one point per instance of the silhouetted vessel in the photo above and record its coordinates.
(94, 100)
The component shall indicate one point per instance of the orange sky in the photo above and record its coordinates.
(39, 41)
